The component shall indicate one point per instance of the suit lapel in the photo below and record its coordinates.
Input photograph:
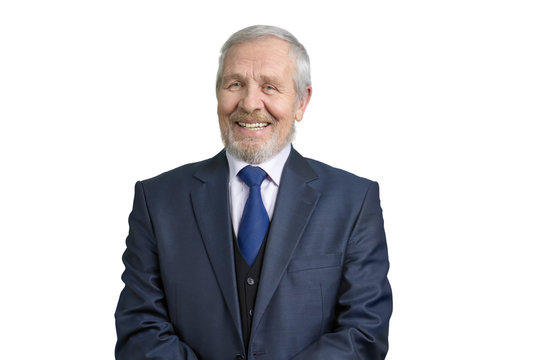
(295, 203)
(211, 206)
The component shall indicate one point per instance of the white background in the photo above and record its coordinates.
(436, 100)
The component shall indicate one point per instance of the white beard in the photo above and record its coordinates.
(251, 151)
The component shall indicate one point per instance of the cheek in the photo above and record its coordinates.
(226, 105)
(283, 112)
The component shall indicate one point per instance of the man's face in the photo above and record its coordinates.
(257, 103)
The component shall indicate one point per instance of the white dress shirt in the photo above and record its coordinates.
(239, 191)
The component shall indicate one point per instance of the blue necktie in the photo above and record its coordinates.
(255, 221)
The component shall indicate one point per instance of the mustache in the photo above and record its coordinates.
(255, 116)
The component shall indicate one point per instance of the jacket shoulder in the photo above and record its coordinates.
(342, 189)
(330, 175)
(185, 174)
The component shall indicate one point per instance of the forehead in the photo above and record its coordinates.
(266, 54)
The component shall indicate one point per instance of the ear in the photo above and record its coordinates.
(302, 104)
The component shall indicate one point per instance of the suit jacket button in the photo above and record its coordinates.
(250, 281)
(239, 357)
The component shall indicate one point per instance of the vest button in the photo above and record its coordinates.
(250, 281)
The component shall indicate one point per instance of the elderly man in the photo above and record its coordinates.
(258, 252)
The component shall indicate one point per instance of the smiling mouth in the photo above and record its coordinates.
(254, 126)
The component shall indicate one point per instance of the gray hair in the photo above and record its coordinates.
(302, 73)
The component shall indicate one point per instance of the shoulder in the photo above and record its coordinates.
(343, 191)
(176, 174)
(186, 175)
(330, 176)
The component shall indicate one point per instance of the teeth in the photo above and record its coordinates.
(253, 126)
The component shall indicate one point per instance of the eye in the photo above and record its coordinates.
(269, 88)
(234, 85)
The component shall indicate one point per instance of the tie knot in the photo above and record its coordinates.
(252, 175)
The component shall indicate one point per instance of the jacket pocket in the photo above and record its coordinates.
(314, 262)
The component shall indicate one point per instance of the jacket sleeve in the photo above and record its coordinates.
(142, 322)
(364, 304)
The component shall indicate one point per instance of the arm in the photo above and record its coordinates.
(142, 321)
(364, 304)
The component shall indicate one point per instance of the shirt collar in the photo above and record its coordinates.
(273, 166)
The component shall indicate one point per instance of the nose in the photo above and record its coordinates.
(251, 99)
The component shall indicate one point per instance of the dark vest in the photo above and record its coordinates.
(247, 283)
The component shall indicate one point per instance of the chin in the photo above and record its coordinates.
(252, 151)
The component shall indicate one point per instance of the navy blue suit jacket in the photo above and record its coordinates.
(323, 292)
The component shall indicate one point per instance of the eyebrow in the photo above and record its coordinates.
(264, 78)
(270, 79)
(232, 76)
